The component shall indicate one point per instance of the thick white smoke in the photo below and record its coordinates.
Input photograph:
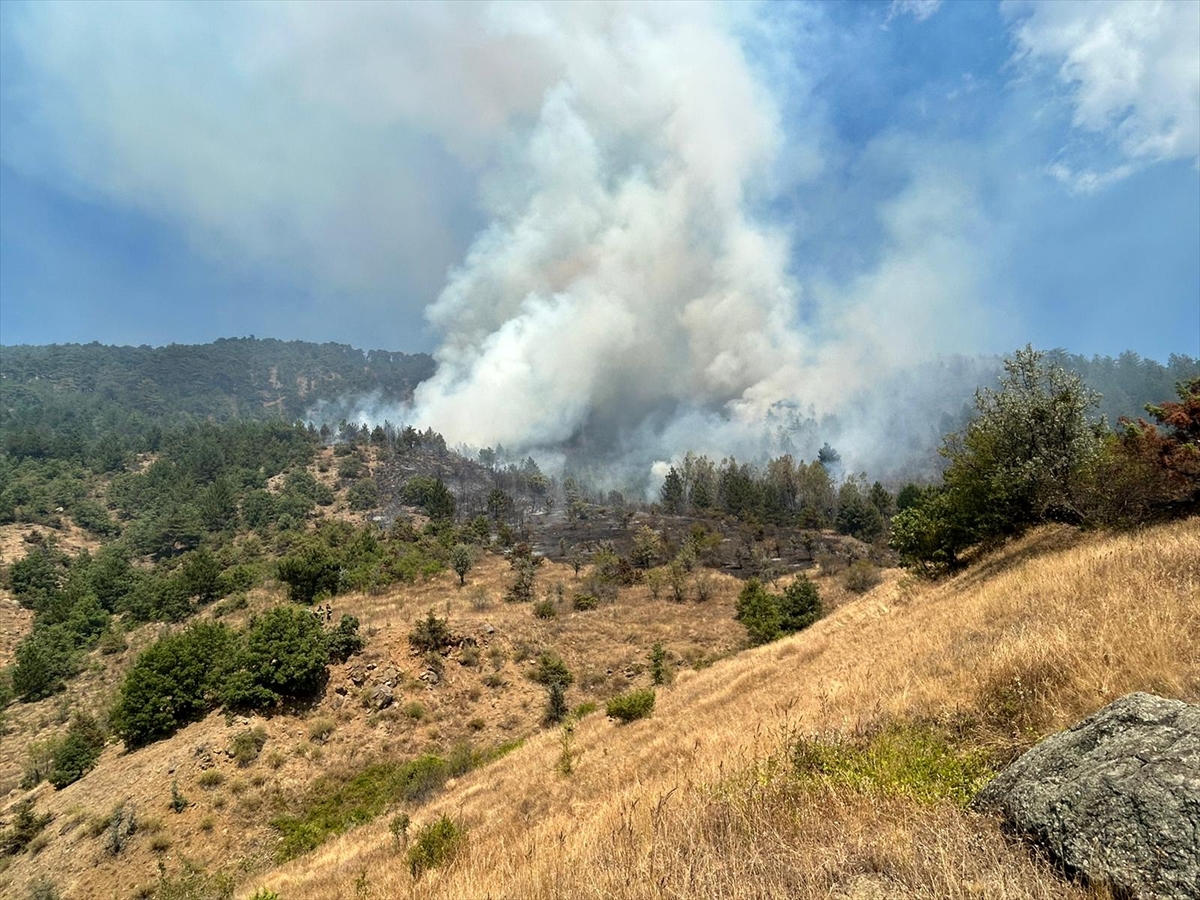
(624, 279)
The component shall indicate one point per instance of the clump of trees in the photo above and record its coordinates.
(785, 492)
(1034, 453)
(768, 616)
(282, 655)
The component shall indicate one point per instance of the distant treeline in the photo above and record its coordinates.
(232, 378)
(1126, 383)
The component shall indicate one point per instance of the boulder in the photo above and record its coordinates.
(382, 697)
(1116, 798)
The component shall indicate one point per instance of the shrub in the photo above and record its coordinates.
(435, 845)
(631, 705)
(552, 670)
(45, 660)
(861, 577)
(320, 728)
(121, 827)
(800, 605)
(415, 711)
(545, 609)
(283, 655)
(26, 825)
(431, 635)
(173, 682)
(461, 560)
(658, 663)
(345, 641)
(210, 778)
(247, 745)
(758, 610)
(556, 703)
(178, 801)
(363, 494)
(43, 889)
(584, 602)
(78, 751)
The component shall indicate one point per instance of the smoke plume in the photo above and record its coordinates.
(624, 281)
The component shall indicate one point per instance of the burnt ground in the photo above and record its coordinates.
(742, 549)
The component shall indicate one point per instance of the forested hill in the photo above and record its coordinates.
(1126, 382)
(231, 378)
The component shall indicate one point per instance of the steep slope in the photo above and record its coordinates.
(699, 801)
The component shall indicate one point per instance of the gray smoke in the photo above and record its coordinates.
(627, 298)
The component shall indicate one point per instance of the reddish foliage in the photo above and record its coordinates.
(1172, 447)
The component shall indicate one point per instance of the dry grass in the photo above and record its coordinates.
(606, 647)
(688, 804)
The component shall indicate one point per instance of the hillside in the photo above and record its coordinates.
(696, 801)
(231, 378)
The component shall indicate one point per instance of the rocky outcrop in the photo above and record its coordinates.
(1115, 798)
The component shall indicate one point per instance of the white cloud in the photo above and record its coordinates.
(1131, 71)
(918, 9)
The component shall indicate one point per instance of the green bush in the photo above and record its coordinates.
(631, 705)
(800, 605)
(247, 745)
(758, 610)
(173, 682)
(435, 845)
(552, 670)
(767, 616)
(363, 494)
(556, 703)
(431, 634)
(283, 656)
(585, 602)
(345, 641)
(545, 609)
(658, 664)
(26, 825)
(78, 751)
(45, 660)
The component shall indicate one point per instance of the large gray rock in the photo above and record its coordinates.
(1116, 798)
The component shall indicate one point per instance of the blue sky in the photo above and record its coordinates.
(184, 172)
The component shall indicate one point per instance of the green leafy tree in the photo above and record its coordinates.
(311, 569)
(200, 576)
(1024, 458)
(461, 560)
(45, 660)
(345, 641)
(800, 605)
(758, 611)
(284, 655)
(77, 753)
(672, 492)
(173, 682)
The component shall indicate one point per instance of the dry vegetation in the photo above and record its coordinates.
(484, 697)
(699, 800)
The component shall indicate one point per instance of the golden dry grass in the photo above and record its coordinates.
(606, 648)
(687, 804)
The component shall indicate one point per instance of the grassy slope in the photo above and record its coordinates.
(688, 804)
